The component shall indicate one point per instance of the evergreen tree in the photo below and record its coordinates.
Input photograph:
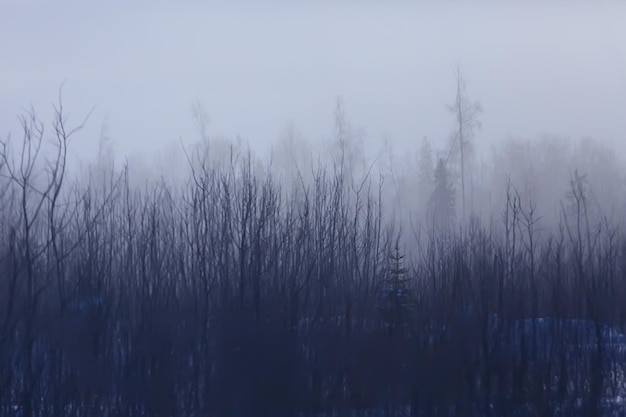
(442, 202)
(397, 297)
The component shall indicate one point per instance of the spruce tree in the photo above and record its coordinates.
(397, 299)
(442, 202)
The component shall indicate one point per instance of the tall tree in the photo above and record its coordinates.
(465, 113)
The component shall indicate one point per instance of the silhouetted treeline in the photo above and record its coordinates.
(234, 295)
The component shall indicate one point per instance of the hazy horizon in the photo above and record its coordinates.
(537, 69)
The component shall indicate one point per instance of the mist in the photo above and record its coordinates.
(538, 69)
(236, 209)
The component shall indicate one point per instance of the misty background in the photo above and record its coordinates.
(283, 209)
(537, 69)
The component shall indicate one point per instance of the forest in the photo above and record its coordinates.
(437, 283)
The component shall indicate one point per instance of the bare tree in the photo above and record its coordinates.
(466, 114)
(34, 194)
(235, 294)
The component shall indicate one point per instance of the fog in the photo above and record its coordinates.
(537, 69)
(280, 209)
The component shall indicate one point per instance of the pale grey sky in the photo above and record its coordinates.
(536, 68)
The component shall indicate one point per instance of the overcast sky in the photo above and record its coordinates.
(255, 67)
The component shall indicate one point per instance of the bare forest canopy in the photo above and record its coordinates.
(315, 282)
